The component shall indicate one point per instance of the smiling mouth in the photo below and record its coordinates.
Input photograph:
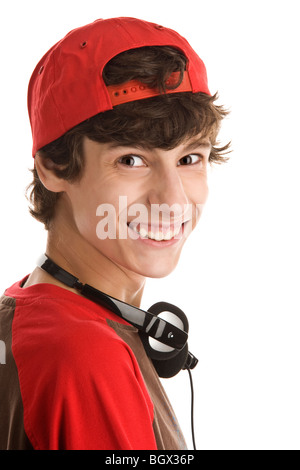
(157, 234)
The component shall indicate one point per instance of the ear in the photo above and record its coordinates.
(45, 169)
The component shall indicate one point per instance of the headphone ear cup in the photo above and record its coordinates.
(166, 360)
(167, 368)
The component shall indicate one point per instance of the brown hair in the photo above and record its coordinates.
(160, 122)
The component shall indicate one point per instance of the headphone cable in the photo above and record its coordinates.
(192, 407)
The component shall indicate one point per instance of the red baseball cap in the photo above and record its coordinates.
(67, 87)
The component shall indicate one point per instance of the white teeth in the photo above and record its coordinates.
(177, 230)
(168, 235)
(159, 235)
(143, 232)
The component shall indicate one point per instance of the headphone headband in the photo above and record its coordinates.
(154, 326)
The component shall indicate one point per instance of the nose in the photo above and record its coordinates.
(169, 194)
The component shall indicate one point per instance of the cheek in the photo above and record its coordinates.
(86, 221)
(198, 194)
(203, 194)
(196, 185)
(97, 209)
(84, 202)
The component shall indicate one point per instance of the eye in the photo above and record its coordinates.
(191, 159)
(131, 161)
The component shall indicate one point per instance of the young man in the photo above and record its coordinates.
(124, 128)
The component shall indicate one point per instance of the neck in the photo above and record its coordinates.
(95, 269)
(72, 252)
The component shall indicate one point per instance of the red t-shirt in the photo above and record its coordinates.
(77, 377)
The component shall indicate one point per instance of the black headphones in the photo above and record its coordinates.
(163, 328)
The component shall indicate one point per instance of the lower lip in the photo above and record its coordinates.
(162, 243)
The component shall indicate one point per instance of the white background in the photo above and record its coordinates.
(238, 278)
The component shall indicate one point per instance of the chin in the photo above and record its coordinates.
(158, 270)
